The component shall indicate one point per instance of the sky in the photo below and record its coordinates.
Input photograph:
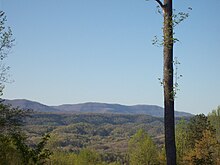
(76, 51)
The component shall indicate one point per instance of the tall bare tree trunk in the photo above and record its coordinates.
(169, 117)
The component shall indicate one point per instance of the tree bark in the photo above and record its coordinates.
(169, 117)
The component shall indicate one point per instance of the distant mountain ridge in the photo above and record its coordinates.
(27, 104)
(92, 107)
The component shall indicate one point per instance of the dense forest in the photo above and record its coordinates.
(28, 137)
(102, 132)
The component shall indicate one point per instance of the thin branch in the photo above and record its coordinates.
(160, 3)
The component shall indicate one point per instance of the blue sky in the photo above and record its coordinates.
(76, 51)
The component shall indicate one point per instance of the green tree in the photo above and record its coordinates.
(204, 152)
(37, 155)
(196, 142)
(10, 121)
(64, 158)
(142, 150)
(196, 126)
(13, 141)
(182, 145)
(214, 118)
(8, 152)
(86, 157)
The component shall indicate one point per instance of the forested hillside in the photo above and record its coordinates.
(102, 132)
(101, 139)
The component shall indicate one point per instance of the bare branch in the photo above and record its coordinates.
(160, 3)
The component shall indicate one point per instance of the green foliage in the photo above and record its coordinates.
(86, 157)
(37, 155)
(6, 40)
(177, 18)
(204, 152)
(214, 118)
(162, 156)
(182, 141)
(40, 153)
(107, 141)
(11, 118)
(8, 152)
(64, 158)
(196, 142)
(107, 133)
(142, 150)
(13, 141)
(196, 126)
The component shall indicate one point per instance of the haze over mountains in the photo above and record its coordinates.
(92, 107)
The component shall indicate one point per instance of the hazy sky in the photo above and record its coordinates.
(74, 51)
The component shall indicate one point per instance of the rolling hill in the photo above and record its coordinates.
(92, 107)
